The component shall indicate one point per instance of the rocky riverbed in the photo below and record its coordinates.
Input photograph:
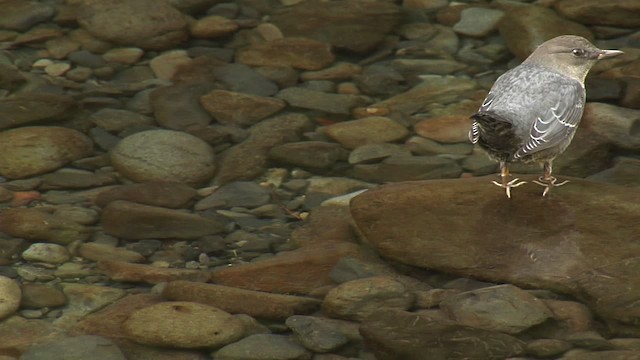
(280, 180)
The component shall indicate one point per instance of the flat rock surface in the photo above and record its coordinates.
(469, 227)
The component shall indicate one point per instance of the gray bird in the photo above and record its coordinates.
(533, 110)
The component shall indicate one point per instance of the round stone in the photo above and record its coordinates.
(10, 295)
(46, 253)
(164, 155)
(183, 325)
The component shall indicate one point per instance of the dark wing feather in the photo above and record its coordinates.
(555, 123)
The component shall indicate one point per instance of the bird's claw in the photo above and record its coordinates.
(508, 185)
(548, 183)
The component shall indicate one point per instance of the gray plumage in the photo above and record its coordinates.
(532, 111)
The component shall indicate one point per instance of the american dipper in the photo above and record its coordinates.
(533, 110)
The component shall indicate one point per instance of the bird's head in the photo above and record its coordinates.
(569, 55)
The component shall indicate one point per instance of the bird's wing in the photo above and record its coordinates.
(474, 132)
(557, 121)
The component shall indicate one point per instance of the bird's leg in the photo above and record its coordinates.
(547, 180)
(506, 184)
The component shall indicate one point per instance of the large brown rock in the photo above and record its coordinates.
(524, 28)
(149, 24)
(622, 13)
(29, 151)
(240, 301)
(302, 271)
(128, 272)
(300, 53)
(396, 334)
(355, 25)
(37, 225)
(135, 221)
(29, 108)
(468, 227)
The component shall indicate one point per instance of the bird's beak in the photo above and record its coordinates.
(609, 53)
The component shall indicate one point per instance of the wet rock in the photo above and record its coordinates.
(177, 106)
(404, 168)
(33, 224)
(357, 299)
(620, 126)
(502, 308)
(10, 77)
(244, 79)
(624, 172)
(412, 68)
(10, 295)
(124, 55)
(358, 26)
(434, 89)
(98, 252)
(36, 296)
(394, 334)
(545, 348)
(580, 354)
(46, 253)
(339, 71)
(213, 26)
(238, 109)
(308, 154)
(85, 299)
(128, 272)
(166, 65)
(523, 28)
(135, 221)
(263, 346)
(479, 22)
(624, 13)
(116, 120)
(29, 151)
(183, 324)
(300, 271)
(141, 23)
(300, 53)
(422, 146)
(20, 15)
(315, 230)
(570, 317)
(66, 178)
(158, 155)
(75, 348)
(240, 301)
(162, 194)
(564, 254)
(321, 101)
(316, 334)
(375, 152)
(249, 158)
(18, 334)
(445, 129)
(370, 130)
(240, 193)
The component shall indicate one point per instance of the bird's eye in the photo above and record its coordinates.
(577, 52)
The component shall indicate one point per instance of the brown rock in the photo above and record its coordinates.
(36, 296)
(10, 294)
(18, 334)
(560, 250)
(300, 271)
(369, 130)
(20, 15)
(357, 299)
(124, 271)
(99, 252)
(29, 151)
(240, 301)
(622, 13)
(177, 106)
(339, 71)
(524, 28)
(238, 109)
(299, 53)
(249, 158)
(148, 24)
(358, 26)
(213, 26)
(445, 129)
(183, 324)
(163, 194)
(394, 334)
(135, 221)
(616, 124)
(308, 154)
(36, 225)
(316, 231)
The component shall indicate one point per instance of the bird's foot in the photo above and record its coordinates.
(508, 185)
(548, 183)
